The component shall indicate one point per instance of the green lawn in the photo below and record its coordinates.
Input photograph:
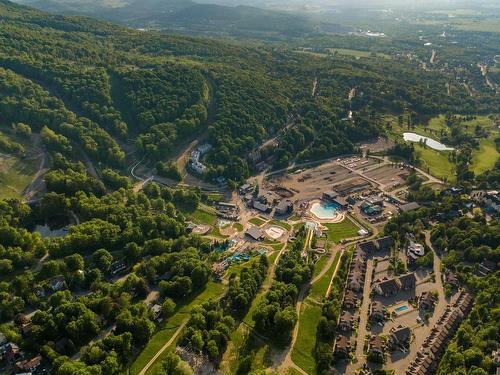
(212, 291)
(238, 227)
(318, 266)
(257, 221)
(311, 312)
(15, 176)
(436, 163)
(339, 231)
(216, 233)
(201, 216)
(485, 158)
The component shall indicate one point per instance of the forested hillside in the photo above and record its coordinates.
(100, 86)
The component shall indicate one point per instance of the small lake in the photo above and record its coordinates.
(432, 143)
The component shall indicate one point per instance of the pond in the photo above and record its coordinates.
(432, 143)
(324, 211)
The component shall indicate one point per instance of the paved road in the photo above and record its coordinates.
(363, 315)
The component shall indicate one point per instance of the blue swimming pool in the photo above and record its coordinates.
(324, 210)
(400, 309)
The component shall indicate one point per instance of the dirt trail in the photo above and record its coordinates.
(315, 87)
(164, 347)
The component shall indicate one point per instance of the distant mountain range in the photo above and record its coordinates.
(191, 17)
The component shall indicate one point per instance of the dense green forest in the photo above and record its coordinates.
(102, 86)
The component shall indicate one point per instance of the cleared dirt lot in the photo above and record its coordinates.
(388, 176)
(311, 183)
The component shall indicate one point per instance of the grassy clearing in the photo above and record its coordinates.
(302, 353)
(257, 221)
(216, 233)
(201, 216)
(212, 291)
(436, 163)
(277, 246)
(15, 176)
(339, 231)
(357, 53)
(485, 158)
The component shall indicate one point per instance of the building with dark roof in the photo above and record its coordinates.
(400, 336)
(376, 345)
(330, 195)
(426, 301)
(367, 247)
(384, 243)
(346, 321)
(28, 366)
(263, 207)
(408, 207)
(407, 281)
(255, 233)
(377, 311)
(386, 287)
(350, 300)
(341, 202)
(284, 207)
(342, 346)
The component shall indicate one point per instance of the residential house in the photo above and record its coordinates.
(400, 336)
(28, 366)
(118, 266)
(414, 251)
(486, 267)
(350, 300)
(346, 321)
(451, 279)
(492, 201)
(407, 281)
(355, 281)
(384, 243)
(11, 352)
(426, 301)
(377, 311)
(57, 283)
(386, 286)
(157, 313)
(255, 233)
(376, 345)
(342, 347)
